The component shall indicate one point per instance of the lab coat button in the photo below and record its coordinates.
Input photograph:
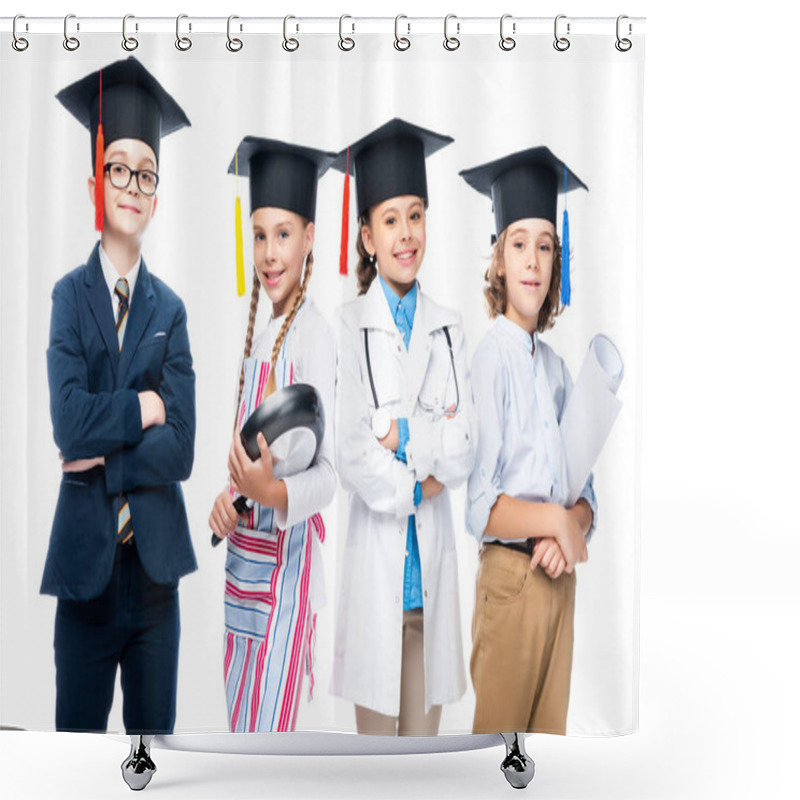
(425, 593)
(397, 598)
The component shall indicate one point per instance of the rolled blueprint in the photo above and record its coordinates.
(591, 411)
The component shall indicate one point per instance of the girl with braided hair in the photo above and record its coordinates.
(273, 569)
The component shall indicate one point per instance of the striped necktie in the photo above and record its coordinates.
(123, 292)
(124, 526)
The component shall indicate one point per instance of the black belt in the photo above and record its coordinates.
(521, 547)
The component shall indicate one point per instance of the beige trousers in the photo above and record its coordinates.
(522, 635)
(413, 721)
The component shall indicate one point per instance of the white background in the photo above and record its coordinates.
(719, 613)
(492, 102)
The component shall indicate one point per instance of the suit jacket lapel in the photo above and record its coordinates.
(100, 304)
(142, 306)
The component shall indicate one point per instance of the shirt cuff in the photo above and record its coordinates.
(402, 440)
(417, 493)
(589, 496)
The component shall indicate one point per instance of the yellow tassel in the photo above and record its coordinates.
(239, 250)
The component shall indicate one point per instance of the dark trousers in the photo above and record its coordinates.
(135, 624)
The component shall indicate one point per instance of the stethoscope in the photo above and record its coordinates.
(452, 362)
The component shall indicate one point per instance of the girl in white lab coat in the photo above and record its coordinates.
(406, 432)
(273, 568)
(531, 540)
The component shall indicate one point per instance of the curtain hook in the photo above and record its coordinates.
(233, 44)
(401, 42)
(451, 42)
(507, 42)
(19, 43)
(183, 43)
(561, 43)
(71, 43)
(346, 43)
(129, 43)
(623, 45)
(290, 44)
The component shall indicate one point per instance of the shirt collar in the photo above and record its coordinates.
(112, 276)
(516, 334)
(407, 305)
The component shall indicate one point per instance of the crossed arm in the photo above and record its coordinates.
(143, 438)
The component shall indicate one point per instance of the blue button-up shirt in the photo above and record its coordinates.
(403, 310)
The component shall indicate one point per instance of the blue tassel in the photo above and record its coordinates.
(565, 287)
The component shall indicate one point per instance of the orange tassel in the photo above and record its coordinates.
(345, 217)
(99, 177)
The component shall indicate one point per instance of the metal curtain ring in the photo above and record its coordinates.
(451, 42)
(623, 45)
(290, 44)
(70, 42)
(401, 42)
(183, 43)
(561, 43)
(233, 44)
(129, 43)
(507, 42)
(19, 43)
(346, 43)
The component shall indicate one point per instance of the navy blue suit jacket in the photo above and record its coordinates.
(94, 407)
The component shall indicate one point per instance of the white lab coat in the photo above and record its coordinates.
(417, 384)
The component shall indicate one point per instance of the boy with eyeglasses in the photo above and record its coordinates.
(123, 411)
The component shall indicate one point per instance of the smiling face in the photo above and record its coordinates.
(395, 235)
(127, 212)
(528, 253)
(281, 242)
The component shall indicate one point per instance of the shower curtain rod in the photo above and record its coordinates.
(347, 25)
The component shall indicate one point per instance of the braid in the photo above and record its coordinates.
(271, 381)
(366, 269)
(248, 341)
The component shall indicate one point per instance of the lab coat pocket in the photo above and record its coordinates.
(437, 394)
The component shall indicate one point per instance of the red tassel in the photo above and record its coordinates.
(345, 217)
(99, 173)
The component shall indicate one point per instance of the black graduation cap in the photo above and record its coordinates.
(282, 175)
(526, 185)
(523, 185)
(134, 104)
(390, 162)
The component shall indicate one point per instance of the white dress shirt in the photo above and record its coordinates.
(112, 276)
(520, 388)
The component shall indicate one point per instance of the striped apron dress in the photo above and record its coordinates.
(270, 627)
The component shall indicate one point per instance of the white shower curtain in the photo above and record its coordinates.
(584, 104)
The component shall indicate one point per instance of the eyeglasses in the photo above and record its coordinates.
(120, 176)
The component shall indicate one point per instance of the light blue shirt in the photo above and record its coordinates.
(520, 387)
(403, 311)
